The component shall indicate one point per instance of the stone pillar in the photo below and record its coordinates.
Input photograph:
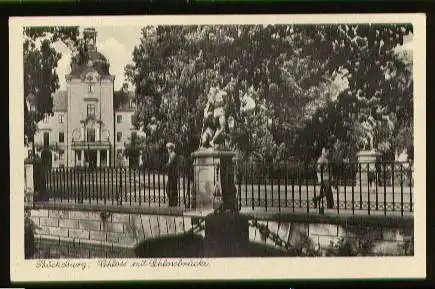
(226, 235)
(29, 189)
(83, 158)
(228, 183)
(82, 133)
(366, 161)
(98, 158)
(207, 177)
(108, 158)
(140, 159)
(97, 132)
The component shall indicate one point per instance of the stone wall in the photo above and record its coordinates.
(120, 231)
(367, 240)
(109, 229)
(58, 249)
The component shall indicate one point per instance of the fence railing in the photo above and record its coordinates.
(380, 187)
(108, 185)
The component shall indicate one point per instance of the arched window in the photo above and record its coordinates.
(91, 88)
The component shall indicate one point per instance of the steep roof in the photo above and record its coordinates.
(99, 63)
(60, 100)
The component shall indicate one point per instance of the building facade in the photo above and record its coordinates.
(124, 129)
(85, 128)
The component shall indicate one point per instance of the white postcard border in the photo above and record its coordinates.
(225, 268)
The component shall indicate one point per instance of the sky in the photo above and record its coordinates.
(115, 43)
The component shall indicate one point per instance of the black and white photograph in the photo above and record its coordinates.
(184, 143)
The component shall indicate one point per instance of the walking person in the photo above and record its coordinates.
(323, 177)
(171, 167)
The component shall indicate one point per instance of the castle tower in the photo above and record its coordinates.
(90, 36)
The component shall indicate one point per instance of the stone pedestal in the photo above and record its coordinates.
(367, 162)
(213, 173)
(29, 189)
(98, 158)
(226, 235)
(227, 232)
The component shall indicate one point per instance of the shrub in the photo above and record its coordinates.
(341, 247)
(29, 236)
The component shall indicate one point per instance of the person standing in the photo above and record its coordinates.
(336, 158)
(171, 167)
(323, 176)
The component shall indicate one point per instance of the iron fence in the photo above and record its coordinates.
(108, 185)
(379, 187)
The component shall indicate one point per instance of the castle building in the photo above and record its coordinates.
(85, 128)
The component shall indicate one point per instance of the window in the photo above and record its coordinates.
(61, 137)
(46, 117)
(91, 88)
(90, 135)
(103, 156)
(60, 118)
(118, 136)
(46, 139)
(61, 154)
(119, 153)
(132, 119)
(91, 109)
(79, 155)
(119, 118)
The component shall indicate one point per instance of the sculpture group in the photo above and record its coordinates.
(214, 132)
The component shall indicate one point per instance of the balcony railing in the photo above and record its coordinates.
(84, 144)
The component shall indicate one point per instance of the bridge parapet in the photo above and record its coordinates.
(125, 229)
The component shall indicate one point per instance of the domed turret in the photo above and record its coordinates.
(90, 37)
(90, 58)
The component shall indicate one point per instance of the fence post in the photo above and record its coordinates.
(29, 189)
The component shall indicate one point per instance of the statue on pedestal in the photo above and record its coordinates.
(208, 131)
(368, 129)
(213, 164)
(214, 123)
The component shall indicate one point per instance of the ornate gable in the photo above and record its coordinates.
(90, 75)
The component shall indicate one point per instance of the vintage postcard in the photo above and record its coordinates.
(218, 147)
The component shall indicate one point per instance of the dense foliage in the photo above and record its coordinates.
(40, 68)
(120, 96)
(291, 87)
(29, 235)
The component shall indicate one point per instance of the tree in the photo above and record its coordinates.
(175, 66)
(46, 158)
(379, 83)
(133, 149)
(120, 96)
(40, 63)
(291, 71)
